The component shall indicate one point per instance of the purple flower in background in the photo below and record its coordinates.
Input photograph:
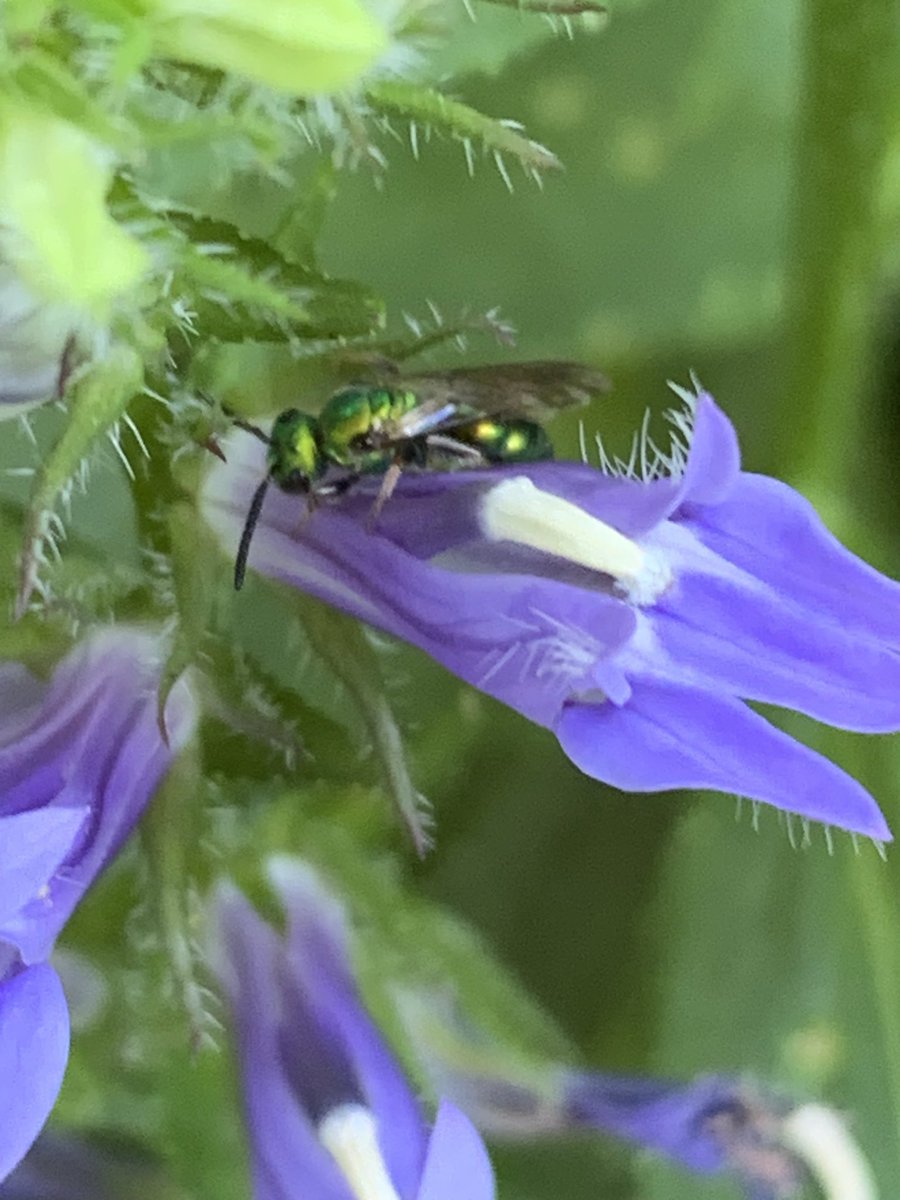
(80, 756)
(632, 616)
(329, 1112)
(712, 1125)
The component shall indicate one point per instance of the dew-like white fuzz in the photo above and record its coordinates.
(819, 1137)
(349, 1134)
(517, 511)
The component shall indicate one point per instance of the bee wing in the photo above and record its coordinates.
(436, 412)
(536, 391)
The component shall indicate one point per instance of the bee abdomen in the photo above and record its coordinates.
(508, 441)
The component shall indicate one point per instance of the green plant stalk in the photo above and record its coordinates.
(849, 81)
(849, 92)
(167, 832)
(170, 824)
(341, 643)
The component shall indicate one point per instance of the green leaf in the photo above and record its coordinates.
(193, 559)
(242, 288)
(67, 253)
(44, 80)
(428, 110)
(97, 399)
(302, 49)
(342, 643)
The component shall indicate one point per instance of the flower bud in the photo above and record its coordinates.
(57, 232)
(298, 46)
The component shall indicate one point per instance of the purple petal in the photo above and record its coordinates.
(714, 460)
(671, 1118)
(709, 1125)
(92, 744)
(745, 639)
(500, 632)
(670, 736)
(287, 1158)
(457, 1164)
(318, 954)
(428, 513)
(772, 532)
(34, 844)
(34, 1048)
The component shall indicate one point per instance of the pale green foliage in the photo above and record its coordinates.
(73, 254)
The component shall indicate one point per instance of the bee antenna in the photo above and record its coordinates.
(249, 427)
(240, 563)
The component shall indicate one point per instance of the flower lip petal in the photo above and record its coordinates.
(34, 845)
(714, 460)
(318, 956)
(456, 1153)
(34, 1050)
(669, 1117)
(769, 530)
(283, 1142)
(93, 743)
(738, 636)
(671, 736)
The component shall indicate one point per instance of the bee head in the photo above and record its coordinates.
(295, 457)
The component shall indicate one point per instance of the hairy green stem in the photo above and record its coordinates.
(167, 834)
(341, 643)
(849, 82)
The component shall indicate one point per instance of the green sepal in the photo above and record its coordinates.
(301, 49)
(42, 79)
(38, 644)
(241, 288)
(22, 18)
(342, 643)
(193, 563)
(97, 399)
(429, 109)
(301, 227)
(267, 297)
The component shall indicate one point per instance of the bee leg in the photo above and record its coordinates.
(388, 483)
(312, 503)
(340, 486)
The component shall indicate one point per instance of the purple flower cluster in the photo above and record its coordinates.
(329, 1112)
(633, 616)
(80, 756)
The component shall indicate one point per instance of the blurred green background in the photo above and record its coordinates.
(663, 934)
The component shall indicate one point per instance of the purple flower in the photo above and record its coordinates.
(720, 1125)
(633, 616)
(710, 1125)
(80, 756)
(329, 1112)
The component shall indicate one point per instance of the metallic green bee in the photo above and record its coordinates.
(466, 417)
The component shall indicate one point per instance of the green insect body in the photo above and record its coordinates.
(355, 426)
(509, 441)
(476, 416)
(295, 457)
